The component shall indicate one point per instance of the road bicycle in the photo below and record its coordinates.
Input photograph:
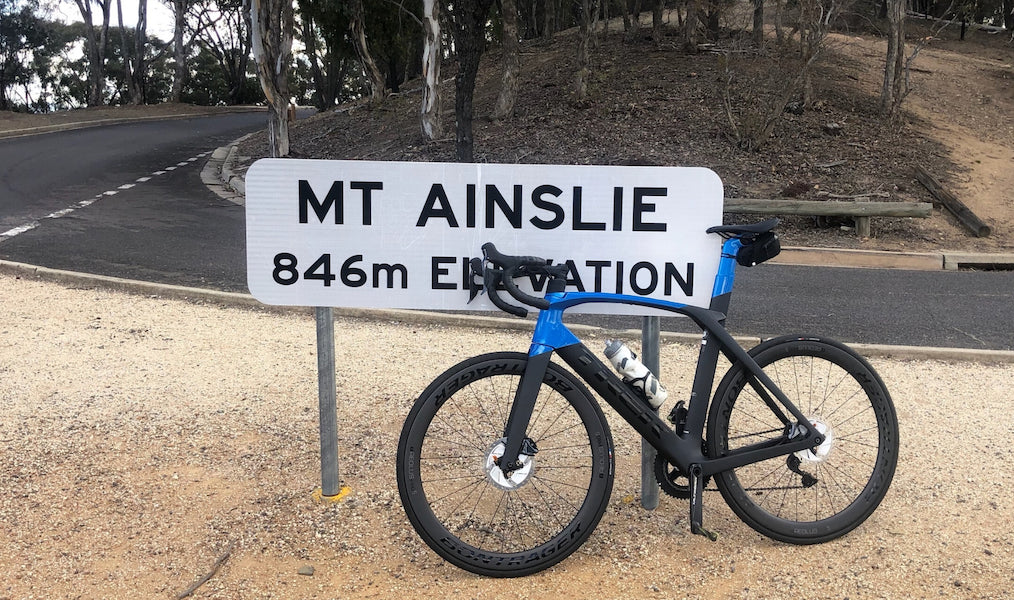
(505, 462)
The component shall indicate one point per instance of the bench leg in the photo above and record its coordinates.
(862, 226)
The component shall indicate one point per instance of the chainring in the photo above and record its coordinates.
(672, 480)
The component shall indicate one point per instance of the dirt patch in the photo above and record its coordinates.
(141, 438)
(660, 106)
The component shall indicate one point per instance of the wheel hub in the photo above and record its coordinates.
(821, 453)
(517, 478)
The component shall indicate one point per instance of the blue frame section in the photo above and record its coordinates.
(551, 333)
(726, 268)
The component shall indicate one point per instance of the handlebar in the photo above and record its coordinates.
(502, 268)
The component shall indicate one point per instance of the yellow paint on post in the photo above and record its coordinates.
(318, 495)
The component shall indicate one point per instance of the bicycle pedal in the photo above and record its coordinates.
(700, 530)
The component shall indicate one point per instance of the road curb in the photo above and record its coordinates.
(219, 173)
(246, 301)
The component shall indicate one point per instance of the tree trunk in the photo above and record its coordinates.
(656, 22)
(271, 27)
(140, 44)
(179, 50)
(758, 24)
(430, 111)
(583, 53)
(690, 31)
(128, 67)
(892, 93)
(469, 20)
(547, 16)
(779, 34)
(96, 48)
(377, 82)
(133, 58)
(511, 63)
(310, 41)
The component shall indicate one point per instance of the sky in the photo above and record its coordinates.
(160, 18)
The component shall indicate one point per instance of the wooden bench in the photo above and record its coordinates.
(860, 212)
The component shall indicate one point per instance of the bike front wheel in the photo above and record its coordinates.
(820, 493)
(455, 494)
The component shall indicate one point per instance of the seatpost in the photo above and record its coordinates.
(721, 293)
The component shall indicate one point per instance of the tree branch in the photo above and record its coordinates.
(214, 569)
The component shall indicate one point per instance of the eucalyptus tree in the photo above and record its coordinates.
(133, 54)
(96, 42)
(222, 29)
(272, 24)
(24, 38)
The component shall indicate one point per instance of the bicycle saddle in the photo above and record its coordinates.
(747, 231)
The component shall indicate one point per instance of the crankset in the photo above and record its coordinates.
(672, 480)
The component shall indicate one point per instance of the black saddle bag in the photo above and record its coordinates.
(763, 247)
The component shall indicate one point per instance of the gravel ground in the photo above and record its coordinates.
(142, 439)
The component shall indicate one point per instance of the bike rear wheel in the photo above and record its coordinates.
(823, 492)
(460, 502)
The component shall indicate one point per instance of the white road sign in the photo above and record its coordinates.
(400, 235)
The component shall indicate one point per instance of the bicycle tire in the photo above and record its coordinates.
(459, 501)
(849, 473)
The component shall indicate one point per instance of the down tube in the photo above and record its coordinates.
(678, 451)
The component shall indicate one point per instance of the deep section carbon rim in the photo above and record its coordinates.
(460, 501)
(822, 492)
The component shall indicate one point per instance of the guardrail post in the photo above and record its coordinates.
(326, 392)
(650, 357)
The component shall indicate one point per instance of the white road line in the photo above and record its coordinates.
(15, 231)
(85, 203)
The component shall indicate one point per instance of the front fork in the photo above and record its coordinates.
(521, 412)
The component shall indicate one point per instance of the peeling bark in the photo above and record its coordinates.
(430, 110)
(271, 27)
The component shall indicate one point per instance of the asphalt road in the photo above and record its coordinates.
(137, 207)
(127, 201)
(953, 309)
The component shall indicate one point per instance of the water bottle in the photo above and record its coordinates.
(635, 373)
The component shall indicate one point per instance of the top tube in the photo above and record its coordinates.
(551, 333)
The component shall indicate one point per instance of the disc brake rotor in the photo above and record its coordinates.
(517, 478)
(818, 454)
